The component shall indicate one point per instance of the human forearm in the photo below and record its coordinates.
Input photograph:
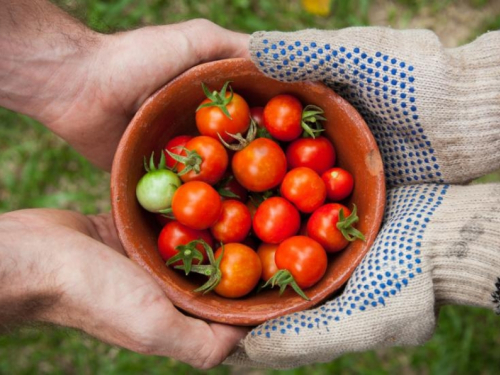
(43, 50)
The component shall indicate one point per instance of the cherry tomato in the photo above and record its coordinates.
(315, 153)
(283, 117)
(266, 253)
(213, 163)
(304, 188)
(174, 234)
(211, 121)
(234, 222)
(257, 114)
(275, 220)
(241, 270)
(196, 204)
(339, 183)
(175, 146)
(260, 166)
(322, 227)
(304, 258)
(230, 188)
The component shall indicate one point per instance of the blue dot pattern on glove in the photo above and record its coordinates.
(380, 87)
(393, 262)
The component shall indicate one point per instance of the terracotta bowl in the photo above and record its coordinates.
(170, 112)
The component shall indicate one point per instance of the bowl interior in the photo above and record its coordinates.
(170, 112)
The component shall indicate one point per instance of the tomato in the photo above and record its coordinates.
(260, 166)
(196, 205)
(230, 188)
(275, 220)
(175, 146)
(212, 121)
(304, 188)
(339, 183)
(315, 153)
(206, 160)
(266, 253)
(322, 227)
(234, 222)
(257, 114)
(283, 117)
(155, 189)
(241, 270)
(304, 258)
(174, 234)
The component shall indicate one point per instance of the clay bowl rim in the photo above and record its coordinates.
(186, 302)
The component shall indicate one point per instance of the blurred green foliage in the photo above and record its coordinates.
(40, 170)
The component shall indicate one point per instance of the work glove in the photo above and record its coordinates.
(435, 114)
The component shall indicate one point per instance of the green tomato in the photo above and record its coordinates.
(156, 188)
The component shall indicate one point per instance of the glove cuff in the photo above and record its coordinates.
(464, 248)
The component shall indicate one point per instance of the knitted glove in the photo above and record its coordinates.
(435, 114)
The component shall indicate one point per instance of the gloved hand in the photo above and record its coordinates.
(435, 114)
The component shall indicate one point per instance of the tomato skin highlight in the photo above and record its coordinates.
(260, 166)
(339, 183)
(283, 117)
(322, 227)
(211, 121)
(234, 222)
(275, 220)
(304, 257)
(174, 234)
(266, 254)
(304, 188)
(214, 164)
(197, 205)
(315, 153)
(241, 270)
(175, 146)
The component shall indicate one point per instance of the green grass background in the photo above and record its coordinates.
(40, 170)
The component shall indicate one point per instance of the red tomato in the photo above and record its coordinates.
(283, 117)
(275, 220)
(175, 146)
(241, 270)
(174, 234)
(213, 163)
(257, 114)
(266, 253)
(211, 121)
(304, 188)
(304, 258)
(260, 166)
(234, 222)
(230, 188)
(322, 227)
(196, 205)
(315, 153)
(339, 183)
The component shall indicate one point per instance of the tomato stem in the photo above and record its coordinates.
(284, 278)
(186, 254)
(192, 161)
(218, 99)
(242, 141)
(345, 225)
(311, 117)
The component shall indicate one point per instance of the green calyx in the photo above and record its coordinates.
(211, 270)
(242, 142)
(221, 188)
(218, 99)
(345, 225)
(151, 167)
(192, 161)
(187, 253)
(311, 121)
(284, 278)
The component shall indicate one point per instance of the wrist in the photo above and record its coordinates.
(28, 289)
